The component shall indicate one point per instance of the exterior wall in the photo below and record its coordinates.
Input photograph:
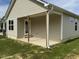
(21, 8)
(55, 27)
(25, 8)
(38, 25)
(11, 33)
(69, 27)
(20, 30)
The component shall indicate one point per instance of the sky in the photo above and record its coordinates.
(70, 5)
(3, 7)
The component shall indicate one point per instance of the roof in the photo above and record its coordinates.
(41, 4)
(56, 8)
(65, 11)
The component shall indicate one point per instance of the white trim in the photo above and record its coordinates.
(62, 26)
(45, 4)
(24, 26)
(30, 26)
(29, 23)
(55, 12)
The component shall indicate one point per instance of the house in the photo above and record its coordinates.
(2, 30)
(1, 25)
(40, 22)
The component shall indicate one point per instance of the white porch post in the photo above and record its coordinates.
(28, 30)
(47, 29)
(4, 29)
(61, 26)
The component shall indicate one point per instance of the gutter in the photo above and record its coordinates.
(46, 4)
(50, 9)
(43, 2)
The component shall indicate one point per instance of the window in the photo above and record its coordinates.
(11, 27)
(75, 26)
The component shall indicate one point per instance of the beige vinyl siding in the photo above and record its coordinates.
(21, 8)
(55, 27)
(38, 25)
(69, 27)
(25, 8)
(20, 30)
(12, 33)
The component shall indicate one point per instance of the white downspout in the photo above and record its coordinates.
(47, 21)
(47, 25)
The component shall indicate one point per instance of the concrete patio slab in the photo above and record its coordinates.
(38, 41)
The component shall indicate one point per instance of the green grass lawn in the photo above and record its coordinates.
(9, 47)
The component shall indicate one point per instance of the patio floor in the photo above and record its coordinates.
(38, 41)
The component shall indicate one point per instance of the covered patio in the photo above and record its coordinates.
(41, 29)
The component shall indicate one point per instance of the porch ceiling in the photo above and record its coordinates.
(39, 14)
(34, 15)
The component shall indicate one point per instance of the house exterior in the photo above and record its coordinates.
(40, 20)
(1, 25)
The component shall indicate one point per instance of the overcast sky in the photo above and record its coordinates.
(71, 5)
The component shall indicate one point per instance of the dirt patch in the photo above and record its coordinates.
(72, 56)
